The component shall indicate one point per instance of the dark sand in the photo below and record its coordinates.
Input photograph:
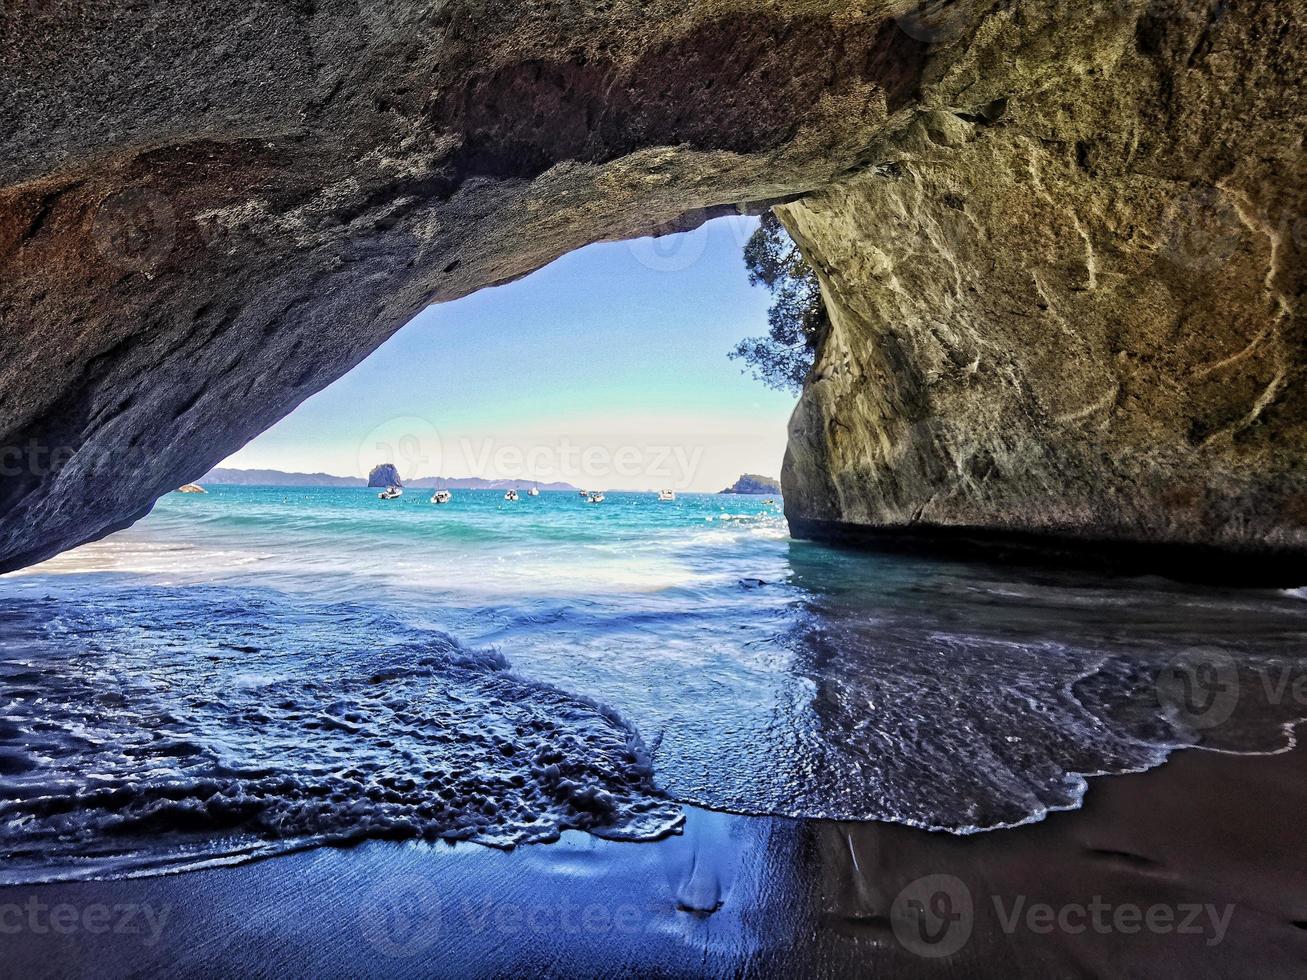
(798, 898)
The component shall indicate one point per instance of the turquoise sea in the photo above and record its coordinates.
(259, 669)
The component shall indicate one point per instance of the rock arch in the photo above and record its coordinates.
(1061, 243)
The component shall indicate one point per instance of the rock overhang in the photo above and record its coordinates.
(205, 219)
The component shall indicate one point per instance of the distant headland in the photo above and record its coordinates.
(277, 478)
(753, 483)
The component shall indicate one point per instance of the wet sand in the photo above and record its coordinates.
(1195, 869)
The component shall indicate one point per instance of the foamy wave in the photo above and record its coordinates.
(176, 729)
(190, 726)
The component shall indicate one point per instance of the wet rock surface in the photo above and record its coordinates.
(384, 475)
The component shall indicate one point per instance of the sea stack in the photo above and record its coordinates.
(385, 475)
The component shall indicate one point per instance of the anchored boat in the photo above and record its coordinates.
(441, 497)
(511, 495)
(391, 493)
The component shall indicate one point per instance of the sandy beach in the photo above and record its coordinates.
(1195, 869)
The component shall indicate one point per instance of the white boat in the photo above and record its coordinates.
(441, 497)
(667, 495)
(511, 495)
(533, 492)
(391, 493)
(595, 498)
(585, 494)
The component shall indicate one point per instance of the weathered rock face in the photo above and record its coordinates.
(206, 218)
(1067, 298)
(384, 475)
(207, 215)
(753, 483)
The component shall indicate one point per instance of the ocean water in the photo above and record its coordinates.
(263, 669)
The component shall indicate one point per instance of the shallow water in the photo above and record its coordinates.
(258, 669)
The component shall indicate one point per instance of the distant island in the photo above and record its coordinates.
(753, 483)
(385, 475)
(276, 478)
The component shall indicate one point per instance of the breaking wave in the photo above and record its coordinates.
(254, 670)
(149, 729)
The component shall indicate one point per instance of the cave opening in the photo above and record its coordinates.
(609, 369)
(1062, 246)
(610, 528)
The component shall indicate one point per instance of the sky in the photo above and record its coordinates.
(607, 369)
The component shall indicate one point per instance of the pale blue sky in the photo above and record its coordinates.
(606, 369)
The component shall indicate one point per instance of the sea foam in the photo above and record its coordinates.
(148, 729)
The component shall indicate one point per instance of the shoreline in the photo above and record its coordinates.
(1252, 567)
(1212, 834)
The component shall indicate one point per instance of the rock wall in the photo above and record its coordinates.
(1066, 299)
(210, 211)
(1060, 241)
(384, 475)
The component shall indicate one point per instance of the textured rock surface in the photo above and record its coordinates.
(753, 483)
(1067, 297)
(384, 475)
(206, 218)
(207, 215)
